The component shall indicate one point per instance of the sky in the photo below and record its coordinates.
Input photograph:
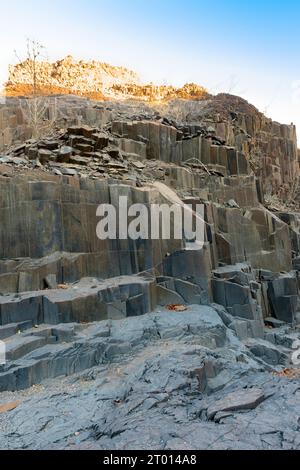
(243, 47)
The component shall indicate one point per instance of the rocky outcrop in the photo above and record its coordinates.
(16, 119)
(67, 74)
(140, 325)
(73, 178)
(92, 79)
(224, 134)
(257, 295)
(270, 147)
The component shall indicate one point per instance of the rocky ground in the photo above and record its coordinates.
(167, 380)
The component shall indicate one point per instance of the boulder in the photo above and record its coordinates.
(64, 154)
(241, 400)
(283, 294)
(45, 156)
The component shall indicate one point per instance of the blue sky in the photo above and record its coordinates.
(250, 48)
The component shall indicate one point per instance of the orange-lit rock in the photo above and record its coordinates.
(93, 79)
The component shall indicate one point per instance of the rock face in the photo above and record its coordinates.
(211, 326)
(49, 215)
(16, 122)
(223, 131)
(93, 79)
(270, 147)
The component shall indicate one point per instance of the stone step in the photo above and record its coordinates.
(85, 301)
(268, 352)
(20, 346)
(11, 329)
(80, 347)
(92, 299)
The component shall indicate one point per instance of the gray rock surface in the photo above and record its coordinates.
(237, 401)
(167, 380)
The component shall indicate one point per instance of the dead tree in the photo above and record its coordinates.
(40, 109)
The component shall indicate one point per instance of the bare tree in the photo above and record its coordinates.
(181, 110)
(39, 108)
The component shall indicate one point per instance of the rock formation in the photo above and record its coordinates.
(72, 305)
(93, 79)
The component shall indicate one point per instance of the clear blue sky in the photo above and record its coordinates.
(250, 48)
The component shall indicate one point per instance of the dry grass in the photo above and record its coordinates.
(177, 308)
(289, 373)
(181, 111)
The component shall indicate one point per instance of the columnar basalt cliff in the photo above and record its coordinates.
(213, 328)
(68, 175)
(270, 147)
